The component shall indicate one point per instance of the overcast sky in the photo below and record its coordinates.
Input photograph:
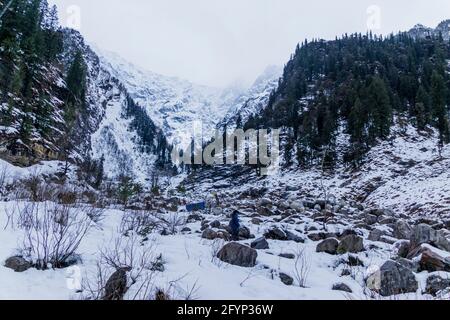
(220, 42)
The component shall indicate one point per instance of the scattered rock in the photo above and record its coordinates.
(237, 254)
(317, 236)
(376, 234)
(396, 279)
(286, 279)
(276, 234)
(354, 261)
(432, 262)
(402, 230)
(215, 224)
(423, 233)
(260, 244)
(18, 264)
(351, 243)
(371, 219)
(209, 234)
(290, 256)
(436, 284)
(293, 237)
(116, 286)
(329, 246)
(342, 287)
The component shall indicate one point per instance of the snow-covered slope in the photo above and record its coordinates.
(173, 104)
(254, 100)
(421, 31)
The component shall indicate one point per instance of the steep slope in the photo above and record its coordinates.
(421, 31)
(254, 100)
(112, 129)
(173, 104)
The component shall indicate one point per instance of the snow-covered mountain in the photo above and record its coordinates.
(173, 104)
(254, 100)
(421, 31)
(107, 130)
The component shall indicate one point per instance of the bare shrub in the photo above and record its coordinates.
(128, 254)
(302, 267)
(216, 245)
(52, 233)
(141, 222)
(4, 175)
(174, 221)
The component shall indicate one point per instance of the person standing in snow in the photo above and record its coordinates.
(235, 226)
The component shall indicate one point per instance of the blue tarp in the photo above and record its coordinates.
(196, 206)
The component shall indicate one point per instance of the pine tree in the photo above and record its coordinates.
(438, 95)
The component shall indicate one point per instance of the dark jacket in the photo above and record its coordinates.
(235, 225)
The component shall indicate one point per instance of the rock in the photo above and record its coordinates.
(286, 279)
(376, 234)
(346, 272)
(347, 233)
(371, 219)
(276, 234)
(263, 211)
(423, 233)
(18, 264)
(215, 224)
(237, 254)
(435, 284)
(432, 262)
(402, 230)
(396, 279)
(244, 233)
(402, 248)
(256, 221)
(209, 234)
(260, 244)
(328, 245)
(342, 287)
(290, 256)
(354, 261)
(194, 218)
(264, 202)
(351, 243)
(186, 229)
(317, 236)
(297, 206)
(293, 237)
(116, 286)
(408, 264)
(217, 211)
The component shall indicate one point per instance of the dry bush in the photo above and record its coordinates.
(174, 221)
(140, 222)
(128, 254)
(52, 233)
(302, 267)
(4, 175)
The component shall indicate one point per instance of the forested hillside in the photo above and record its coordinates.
(357, 84)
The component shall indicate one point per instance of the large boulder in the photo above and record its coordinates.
(260, 244)
(432, 262)
(402, 230)
(209, 234)
(342, 287)
(436, 284)
(276, 234)
(329, 246)
(396, 279)
(286, 279)
(237, 254)
(293, 237)
(424, 233)
(18, 264)
(351, 243)
(116, 286)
